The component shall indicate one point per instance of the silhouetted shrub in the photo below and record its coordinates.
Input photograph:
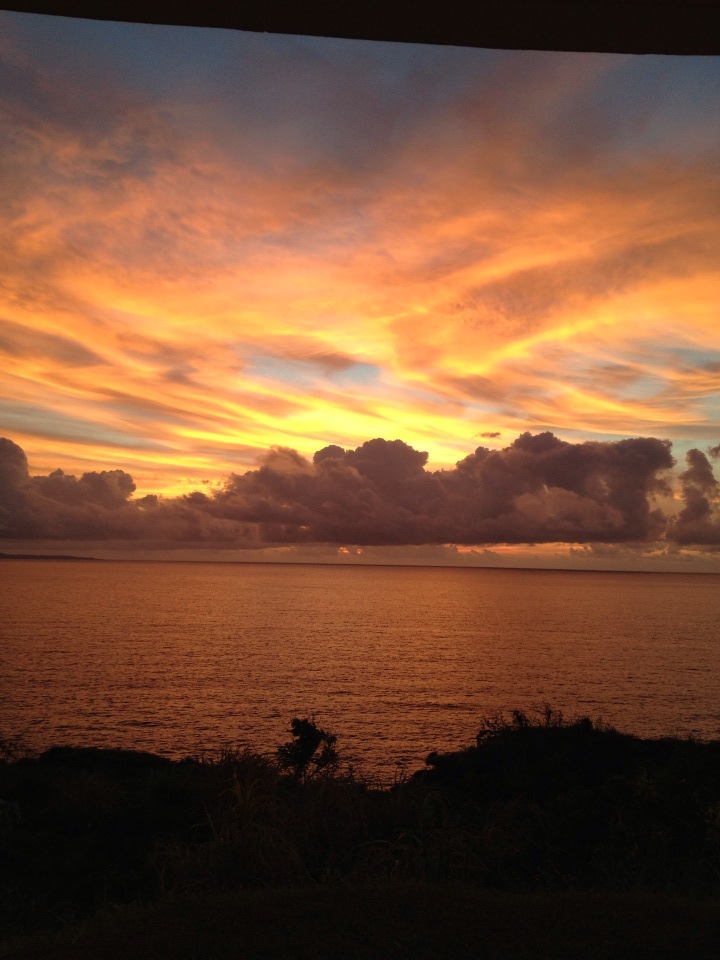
(537, 803)
(579, 804)
(311, 750)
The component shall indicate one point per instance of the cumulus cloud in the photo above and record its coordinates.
(59, 505)
(699, 520)
(539, 489)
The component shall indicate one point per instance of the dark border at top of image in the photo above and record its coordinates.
(606, 26)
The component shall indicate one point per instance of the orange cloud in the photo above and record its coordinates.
(426, 244)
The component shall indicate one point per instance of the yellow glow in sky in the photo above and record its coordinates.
(206, 256)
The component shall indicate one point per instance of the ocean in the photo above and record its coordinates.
(186, 658)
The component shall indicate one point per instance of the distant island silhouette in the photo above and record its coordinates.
(43, 556)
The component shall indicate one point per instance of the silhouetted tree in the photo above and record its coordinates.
(310, 751)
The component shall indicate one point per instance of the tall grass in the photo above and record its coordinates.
(537, 804)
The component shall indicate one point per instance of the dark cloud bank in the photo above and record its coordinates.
(540, 489)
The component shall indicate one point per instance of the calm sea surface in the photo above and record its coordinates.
(398, 661)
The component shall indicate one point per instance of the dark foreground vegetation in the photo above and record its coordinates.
(546, 839)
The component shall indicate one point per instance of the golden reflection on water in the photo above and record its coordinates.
(398, 661)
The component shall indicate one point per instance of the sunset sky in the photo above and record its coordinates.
(224, 252)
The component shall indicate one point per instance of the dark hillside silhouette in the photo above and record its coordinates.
(538, 804)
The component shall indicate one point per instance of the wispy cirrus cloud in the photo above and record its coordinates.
(217, 242)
